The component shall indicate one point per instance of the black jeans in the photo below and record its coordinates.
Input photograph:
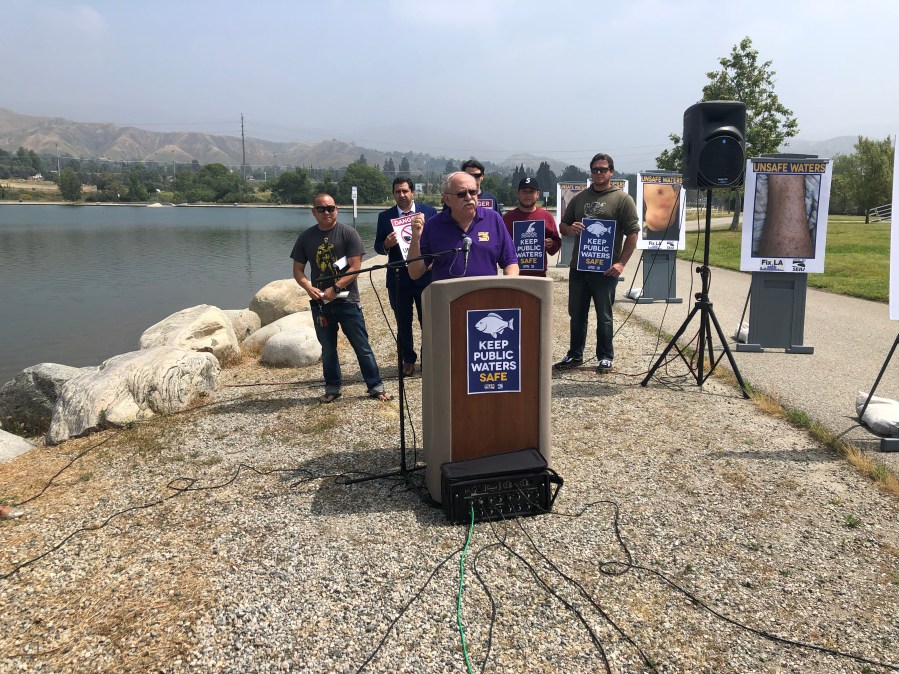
(584, 286)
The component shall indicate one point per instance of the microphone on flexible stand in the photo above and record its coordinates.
(466, 247)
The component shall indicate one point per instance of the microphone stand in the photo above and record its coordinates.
(404, 471)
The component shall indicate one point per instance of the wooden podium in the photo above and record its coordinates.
(503, 323)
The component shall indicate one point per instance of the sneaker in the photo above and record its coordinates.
(605, 364)
(567, 363)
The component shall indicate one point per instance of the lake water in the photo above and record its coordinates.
(79, 284)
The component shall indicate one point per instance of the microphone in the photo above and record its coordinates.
(466, 247)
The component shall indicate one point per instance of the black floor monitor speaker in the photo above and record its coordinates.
(499, 486)
(714, 145)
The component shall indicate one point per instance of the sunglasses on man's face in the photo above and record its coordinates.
(324, 209)
(600, 169)
(466, 193)
(476, 176)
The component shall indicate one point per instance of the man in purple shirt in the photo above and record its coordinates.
(490, 244)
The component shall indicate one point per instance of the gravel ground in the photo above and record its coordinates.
(690, 521)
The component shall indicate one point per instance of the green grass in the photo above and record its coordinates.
(856, 262)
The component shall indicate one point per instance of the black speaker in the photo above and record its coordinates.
(714, 145)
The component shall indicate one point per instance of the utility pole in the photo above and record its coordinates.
(243, 145)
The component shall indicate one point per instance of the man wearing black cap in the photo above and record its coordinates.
(528, 191)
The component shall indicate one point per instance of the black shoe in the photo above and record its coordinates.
(567, 363)
(605, 364)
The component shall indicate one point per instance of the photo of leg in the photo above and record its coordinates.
(785, 215)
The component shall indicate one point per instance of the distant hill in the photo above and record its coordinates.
(825, 149)
(533, 162)
(103, 140)
(46, 135)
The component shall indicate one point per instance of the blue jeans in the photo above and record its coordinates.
(348, 316)
(584, 286)
(402, 299)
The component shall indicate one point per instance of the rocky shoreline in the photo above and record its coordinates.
(693, 529)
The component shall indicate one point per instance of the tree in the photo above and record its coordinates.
(573, 174)
(328, 186)
(546, 178)
(70, 184)
(136, 189)
(501, 187)
(768, 122)
(362, 160)
(109, 188)
(404, 166)
(292, 187)
(864, 179)
(371, 183)
(450, 167)
(212, 183)
(389, 167)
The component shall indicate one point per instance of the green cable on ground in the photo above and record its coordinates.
(461, 584)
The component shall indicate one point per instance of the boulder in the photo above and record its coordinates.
(291, 348)
(200, 328)
(290, 323)
(12, 445)
(244, 322)
(132, 387)
(278, 299)
(26, 402)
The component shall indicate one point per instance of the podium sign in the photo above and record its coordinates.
(494, 351)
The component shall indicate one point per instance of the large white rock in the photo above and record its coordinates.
(12, 445)
(200, 328)
(27, 401)
(278, 299)
(291, 322)
(244, 322)
(291, 348)
(132, 387)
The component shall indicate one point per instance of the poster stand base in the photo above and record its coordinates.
(653, 300)
(659, 277)
(889, 444)
(758, 348)
(777, 313)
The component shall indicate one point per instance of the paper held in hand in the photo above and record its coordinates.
(402, 227)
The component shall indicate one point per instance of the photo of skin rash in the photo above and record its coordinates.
(660, 211)
(785, 230)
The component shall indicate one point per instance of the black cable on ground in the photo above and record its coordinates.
(407, 605)
(618, 568)
(188, 484)
(593, 636)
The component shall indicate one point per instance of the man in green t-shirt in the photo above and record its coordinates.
(604, 202)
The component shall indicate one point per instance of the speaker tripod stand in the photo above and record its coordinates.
(707, 318)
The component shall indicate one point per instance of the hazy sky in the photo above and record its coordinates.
(487, 78)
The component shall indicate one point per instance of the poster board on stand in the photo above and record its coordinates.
(661, 208)
(565, 192)
(785, 214)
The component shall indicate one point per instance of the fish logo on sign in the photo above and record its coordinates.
(492, 324)
(598, 229)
